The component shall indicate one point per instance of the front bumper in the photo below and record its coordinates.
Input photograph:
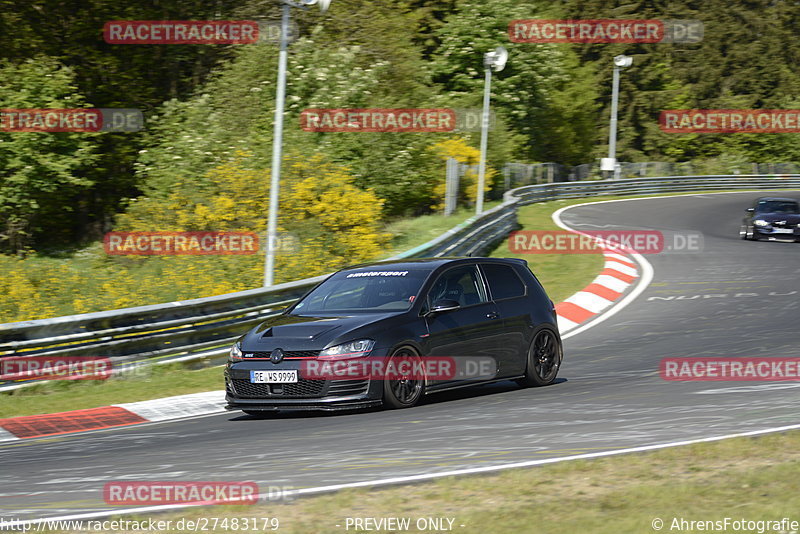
(328, 395)
(324, 405)
(769, 231)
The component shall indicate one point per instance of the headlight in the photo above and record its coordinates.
(760, 222)
(351, 349)
(236, 352)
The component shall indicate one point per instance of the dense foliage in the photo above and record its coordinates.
(203, 160)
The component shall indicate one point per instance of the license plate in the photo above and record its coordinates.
(273, 377)
(783, 230)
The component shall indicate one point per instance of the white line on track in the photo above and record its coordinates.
(412, 478)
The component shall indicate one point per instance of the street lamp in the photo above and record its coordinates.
(492, 61)
(277, 141)
(610, 163)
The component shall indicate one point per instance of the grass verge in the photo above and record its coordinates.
(751, 479)
(412, 232)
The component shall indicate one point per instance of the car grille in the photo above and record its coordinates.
(287, 354)
(303, 388)
(348, 387)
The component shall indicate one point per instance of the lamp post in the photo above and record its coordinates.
(277, 141)
(610, 163)
(492, 61)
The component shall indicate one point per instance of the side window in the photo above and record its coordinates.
(504, 282)
(461, 284)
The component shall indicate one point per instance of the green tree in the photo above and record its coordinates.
(543, 93)
(745, 60)
(42, 175)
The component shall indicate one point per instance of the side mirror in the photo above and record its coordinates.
(444, 305)
(750, 210)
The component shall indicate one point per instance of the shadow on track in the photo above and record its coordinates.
(428, 400)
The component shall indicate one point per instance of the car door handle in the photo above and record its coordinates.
(491, 315)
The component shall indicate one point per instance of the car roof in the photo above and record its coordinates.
(430, 263)
(781, 199)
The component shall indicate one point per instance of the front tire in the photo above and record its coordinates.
(544, 359)
(403, 391)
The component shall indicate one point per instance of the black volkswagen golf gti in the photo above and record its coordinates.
(408, 328)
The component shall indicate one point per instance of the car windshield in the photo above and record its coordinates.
(365, 290)
(778, 206)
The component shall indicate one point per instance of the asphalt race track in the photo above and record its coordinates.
(737, 298)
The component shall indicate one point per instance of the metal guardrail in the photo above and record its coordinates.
(643, 186)
(204, 328)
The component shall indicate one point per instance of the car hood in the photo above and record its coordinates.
(790, 218)
(306, 332)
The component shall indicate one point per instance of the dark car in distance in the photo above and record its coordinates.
(772, 218)
(488, 313)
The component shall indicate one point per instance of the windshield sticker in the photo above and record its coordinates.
(377, 273)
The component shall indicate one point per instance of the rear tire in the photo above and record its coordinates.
(544, 359)
(403, 393)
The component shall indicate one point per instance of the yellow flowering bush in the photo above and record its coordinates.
(326, 221)
(458, 149)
